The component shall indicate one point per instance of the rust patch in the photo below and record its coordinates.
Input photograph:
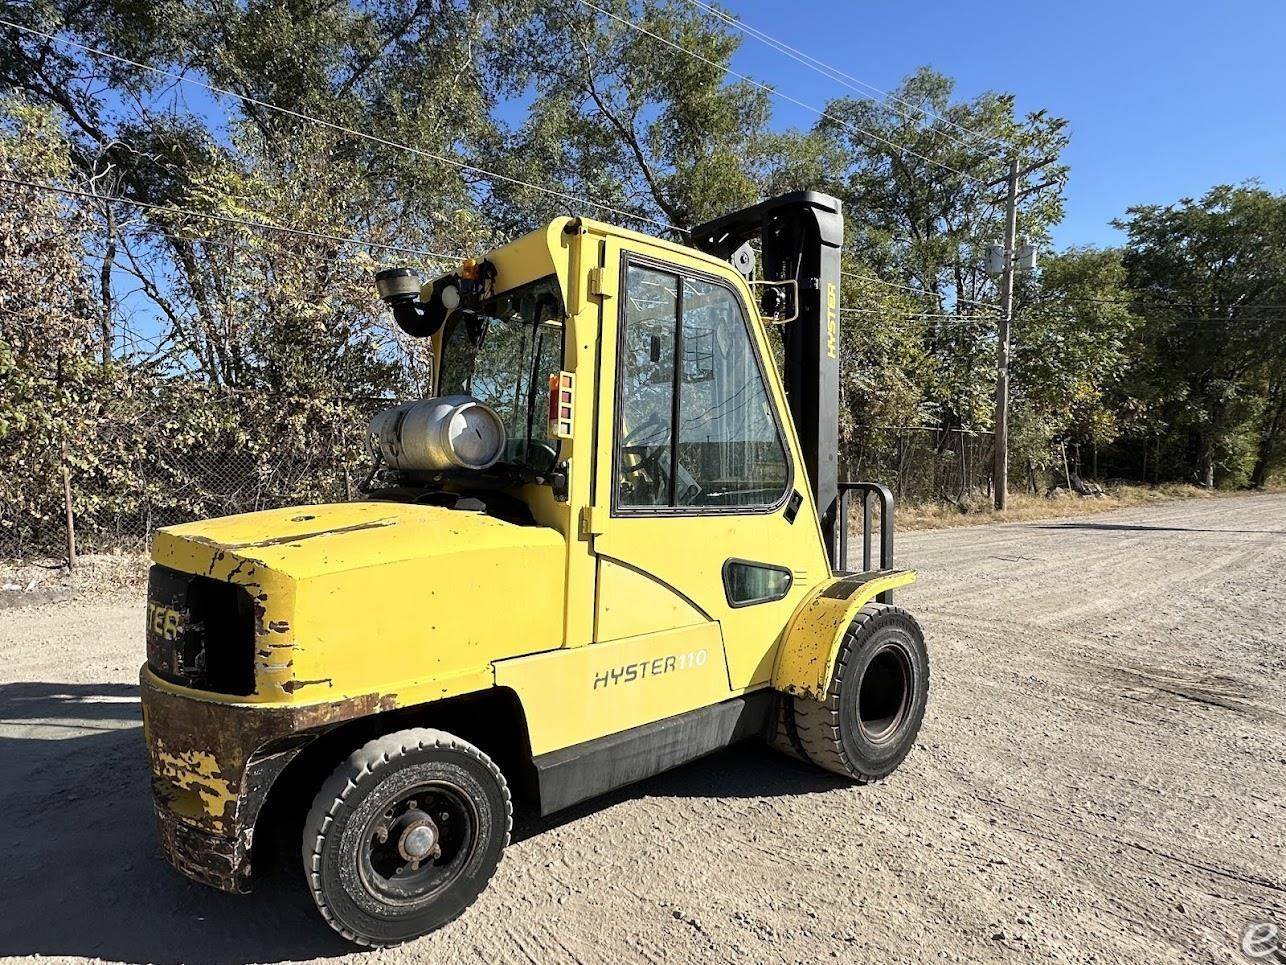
(291, 540)
(279, 626)
(290, 686)
(204, 771)
(215, 861)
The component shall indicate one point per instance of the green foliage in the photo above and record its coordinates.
(48, 323)
(1209, 278)
(1069, 353)
(917, 173)
(629, 118)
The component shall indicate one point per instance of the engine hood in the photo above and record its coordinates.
(384, 601)
(309, 541)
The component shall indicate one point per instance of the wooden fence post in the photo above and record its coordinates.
(71, 518)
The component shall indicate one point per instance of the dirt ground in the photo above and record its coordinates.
(1100, 778)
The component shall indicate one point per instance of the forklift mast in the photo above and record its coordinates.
(800, 236)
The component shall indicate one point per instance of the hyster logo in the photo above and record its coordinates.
(650, 668)
(164, 622)
(832, 320)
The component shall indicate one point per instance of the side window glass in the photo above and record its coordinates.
(717, 444)
(746, 583)
(730, 452)
(646, 392)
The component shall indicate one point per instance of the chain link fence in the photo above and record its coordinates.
(153, 461)
(921, 464)
(139, 467)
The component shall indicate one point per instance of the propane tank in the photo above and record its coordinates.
(452, 432)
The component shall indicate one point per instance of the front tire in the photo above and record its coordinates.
(404, 835)
(871, 716)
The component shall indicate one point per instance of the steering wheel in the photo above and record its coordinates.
(540, 445)
(649, 464)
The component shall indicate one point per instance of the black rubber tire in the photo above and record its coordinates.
(363, 786)
(780, 736)
(830, 733)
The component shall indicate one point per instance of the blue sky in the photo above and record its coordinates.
(1165, 99)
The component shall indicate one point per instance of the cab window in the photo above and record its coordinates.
(696, 429)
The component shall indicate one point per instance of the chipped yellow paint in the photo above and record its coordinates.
(806, 658)
(341, 582)
(197, 771)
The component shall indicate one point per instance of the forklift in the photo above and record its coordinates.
(612, 542)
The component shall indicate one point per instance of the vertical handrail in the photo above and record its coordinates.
(885, 498)
(866, 530)
(839, 561)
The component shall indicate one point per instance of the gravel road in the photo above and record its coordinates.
(1100, 779)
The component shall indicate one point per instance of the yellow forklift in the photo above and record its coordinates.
(612, 542)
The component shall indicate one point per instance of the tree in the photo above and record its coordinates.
(48, 330)
(916, 176)
(1070, 352)
(648, 120)
(1210, 282)
(397, 72)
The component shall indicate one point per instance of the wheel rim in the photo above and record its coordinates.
(884, 694)
(419, 843)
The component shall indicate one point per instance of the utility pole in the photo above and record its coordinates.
(1000, 467)
(1007, 261)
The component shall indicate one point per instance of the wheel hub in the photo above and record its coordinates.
(884, 695)
(418, 844)
(418, 840)
(416, 837)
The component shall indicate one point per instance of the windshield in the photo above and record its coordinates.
(503, 355)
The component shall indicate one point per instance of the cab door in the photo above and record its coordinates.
(702, 514)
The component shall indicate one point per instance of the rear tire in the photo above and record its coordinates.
(404, 835)
(879, 688)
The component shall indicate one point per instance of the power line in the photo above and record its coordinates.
(260, 225)
(1232, 322)
(934, 321)
(859, 87)
(1026, 323)
(374, 138)
(916, 315)
(312, 259)
(1143, 297)
(919, 291)
(776, 93)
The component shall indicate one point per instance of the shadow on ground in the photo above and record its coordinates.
(83, 874)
